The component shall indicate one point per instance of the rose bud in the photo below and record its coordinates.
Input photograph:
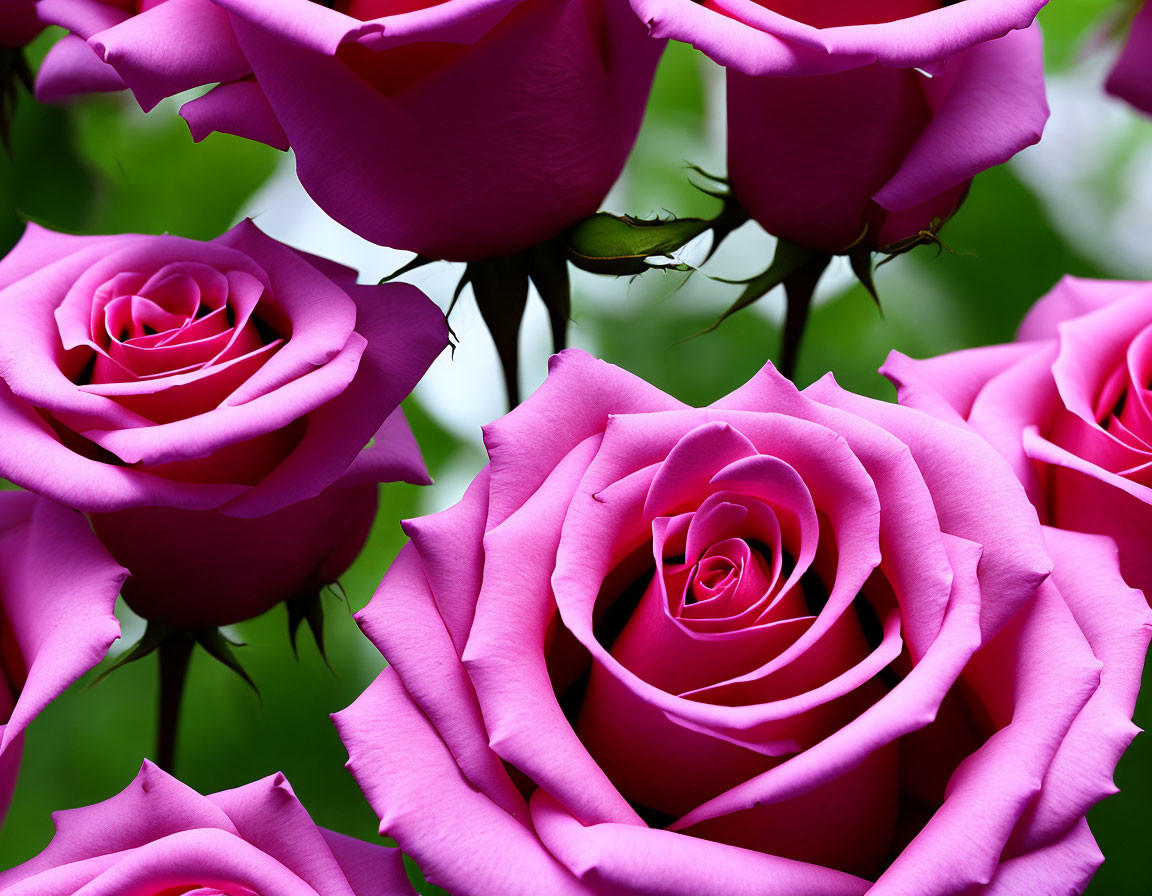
(793, 642)
(58, 587)
(460, 130)
(1131, 79)
(161, 837)
(223, 410)
(861, 125)
(1068, 405)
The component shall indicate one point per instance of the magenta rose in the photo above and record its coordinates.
(1068, 404)
(860, 123)
(222, 410)
(466, 129)
(1131, 79)
(58, 587)
(790, 643)
(161, 837)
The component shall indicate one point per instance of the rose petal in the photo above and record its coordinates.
(171, 47)
(71, 67)
(430, 800)
(987, 105)
(59, 588)
(640, 861)
(239, 108)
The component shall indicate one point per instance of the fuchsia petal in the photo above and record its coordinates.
(239, 108)
(59, 586)
(72, 67)
(1131, 79)
(404, 623)
(171, 47)
(489, 850)
(625, 859)
(987, 105)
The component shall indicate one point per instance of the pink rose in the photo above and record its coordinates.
(860, 123)
(161, 837)
(1068, 404)
(209, 404)
(57, 590)
(1131, 79)
(464, 130)
(791, 643)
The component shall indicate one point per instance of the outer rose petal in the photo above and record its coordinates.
(1131, 79)
(1088, 577)
(428, 800)
(159, 834)
(72, 67)
(174, 46)
(1072, 297)
(58, 587)
(641, 861)
(154, 805)
(751, 38)
(988, 104)
(239, 108)
(813, 182)
(573, 404)
(404, 622)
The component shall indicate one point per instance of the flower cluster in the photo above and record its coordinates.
(792, 642)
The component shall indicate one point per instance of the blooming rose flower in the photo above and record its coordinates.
(788, 643)
(57, 590)
(1068, 404)
(209, 405)
(161, 837)
(860, 123)
(466, 129)
(1131, 79)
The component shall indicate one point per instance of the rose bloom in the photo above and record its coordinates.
(58, 587)
(1131, 79)
(223, 410)
(860, 123)
(1068, 404)
(791, 643)
(161, 837)
(464, 130)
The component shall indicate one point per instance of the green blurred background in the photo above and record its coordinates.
(1080, 203)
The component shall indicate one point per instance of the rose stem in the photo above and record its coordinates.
(175, 651)
(799, 288)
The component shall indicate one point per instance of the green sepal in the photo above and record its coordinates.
(307, 607)
(788, 260)
(548, 271)
(621, 245)
(154, 635)
(219, 647)
(418, 262)
(500, 286)
(861, 261)
(213, 640)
